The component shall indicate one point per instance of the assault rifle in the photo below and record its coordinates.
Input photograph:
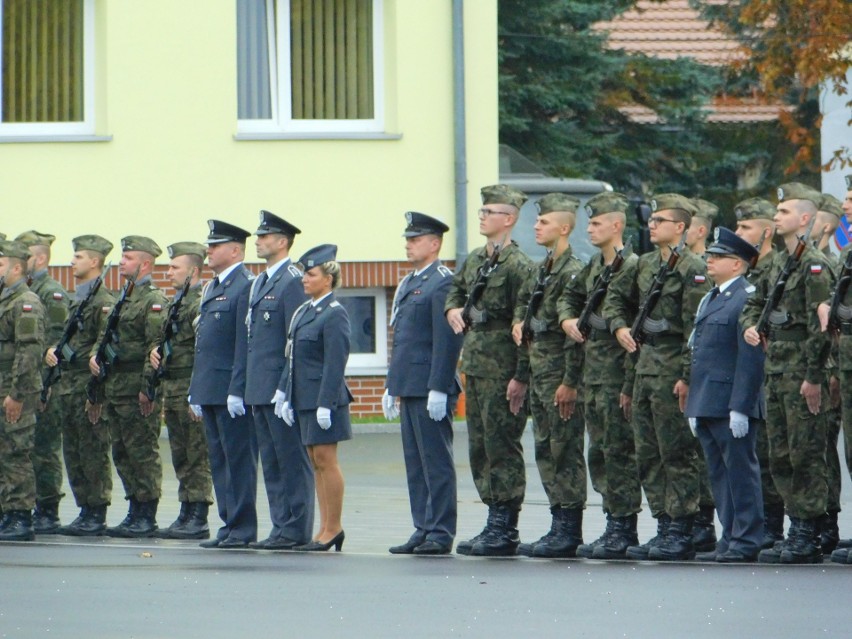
(840, 289)
(637, 331)
(479, 284)
(164, 346)
(593, 301)
(106, 356)
(63, 350)
(777, 292)
(536, 298)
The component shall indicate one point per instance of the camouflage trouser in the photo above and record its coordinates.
(666, 452)
(17, 479)
(135, 447)
(188, 443)
(796, 446)
(494, 440)
(86, 450)
(771, 496)
(846, 407)
(558, 444)
(47, 452)
(612, 453)
(832, 458)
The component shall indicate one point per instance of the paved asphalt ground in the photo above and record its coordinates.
(105, 588)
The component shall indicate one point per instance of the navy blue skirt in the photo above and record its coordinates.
(312, 434)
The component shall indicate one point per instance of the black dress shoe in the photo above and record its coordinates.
(261, 544)
(211, 543)
(706, 556)
(735, 557)
(281, 543)
(430, 547)
(318, 546)
(231, 543)
(405, 549)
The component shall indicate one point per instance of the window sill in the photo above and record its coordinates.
(26, 139)
(366, 371)
(255, 137)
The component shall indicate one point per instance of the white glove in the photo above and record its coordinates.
(324, 417)
(436, 405)
(196, 409)
(236, 407)
(693, 425)
(278, 399)
(739, 424)
(389, 406)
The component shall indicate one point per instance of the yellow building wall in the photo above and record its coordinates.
(166, 88)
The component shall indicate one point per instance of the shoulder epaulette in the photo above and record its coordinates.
(443, 271)
(294, 271)
(750, 289)
(334, 304)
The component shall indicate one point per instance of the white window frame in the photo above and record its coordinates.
(370, 363)
(60, 129)
(281, 89)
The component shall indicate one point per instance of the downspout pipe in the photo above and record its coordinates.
(459, 133)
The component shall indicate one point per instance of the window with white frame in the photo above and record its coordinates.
(47, 61)
(309, 66)
(367, 310)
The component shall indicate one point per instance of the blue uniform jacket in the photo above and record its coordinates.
(219, 369)
(727, 373)
(425, 348)
(270, 309)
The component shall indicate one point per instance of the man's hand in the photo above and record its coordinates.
(626, 340)
(566, 400)
(195, 412)
(146, 406)
(625, 402)
(436, 405)
(569, 326)
(50, 357)
(389, 407)
(155, 358)
(13, 409)
(515, 393)
(751, 336)
(822, 314)
(681, 391)
(454, 319)
(813, 396)
(236, 408)
(834, 391)
(93, 412)
(518, 333)
(94, 369)
(738, 424)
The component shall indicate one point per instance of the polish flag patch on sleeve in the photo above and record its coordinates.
(27, 308)
(156, 307)
(700, 279)
(57, 296)
(816, 269)
(104, 309)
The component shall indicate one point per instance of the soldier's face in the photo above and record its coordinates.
(721, 268)
(221, 256)
(316, 283)
(11, 269)
(667, 230)
(31, 261)
(179, 269)
(847, 206)
(787, 218)
(269, 245)
(697, 232)
(131, 262)
(4, 266)
(549, 227)
(82, 265)
(496, 220)
(421, 249)
(752, 230)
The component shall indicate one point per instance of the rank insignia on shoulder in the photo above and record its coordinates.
(750, 289)
(294, 271)
(816, 269)
(57, 296)
(444, 271)
(27, 308)
(700, 279)
(156, 307)
(334, 304)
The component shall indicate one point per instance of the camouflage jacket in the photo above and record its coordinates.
(21, 342)
(179, 365)
(676, 308)
(605, 361)
(489, 350)
(55, 301)
(806, 348)
(844, 348)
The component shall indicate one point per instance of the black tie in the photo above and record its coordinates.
(263, 278)
(713, 293)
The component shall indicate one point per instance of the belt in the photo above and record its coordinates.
(598, 335)
(79, 364)
(491, 325)
(788, 335)
(660, 339)
(542, 336)
(128, 367)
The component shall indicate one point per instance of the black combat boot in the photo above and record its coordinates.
(145, 524)
(569, 535)
(773, 555)
(46, 518)
(704, 529)
(93, 524)
(641, 552)
(183, 516)
(195, 526)
(464, 547)
(68, 529)
(622, 536)
(502, 540)
(121, 529)
(773, 524)
(19, 526)
(829, 535)
(527, 549)
(803, 547)
(677, 545)
(586, 551)
(4, 519)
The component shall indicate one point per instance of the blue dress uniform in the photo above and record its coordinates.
(218, 371)
(727, 375)
(424, 357)
(287, 470)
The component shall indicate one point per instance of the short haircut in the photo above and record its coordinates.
(679, 215)
(94, 255)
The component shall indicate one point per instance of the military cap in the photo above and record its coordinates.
(94, 243)
(140, 243)
(34, 238)
(799, 191)
(705, 209)
(848, 181)
(318, 255)
(2, 236)
(754, 208)
(9, 248)
(421, 224)
(502, 194)
(665, 201)
(557, 202)
(726, 242)
(607, 202)
(271, 223)
(186, 248)
(221, 232)
(831, 204)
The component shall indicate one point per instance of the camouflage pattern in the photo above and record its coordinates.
(558, 442)
(832, 413)
(21, 347)
(135, 439)
(502, 194)
(667, 454)
(844, 366)
(490, 359)
(47, 453)
(187, 439)
(607, 373)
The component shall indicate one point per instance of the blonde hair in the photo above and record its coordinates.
(332, 268)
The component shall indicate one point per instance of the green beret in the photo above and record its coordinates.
(557, 202)
(799, 191)
(754, 208)
(16, 249)
(607, 203)
(831, 204)
(94, 243)
(502, 194)
(707, 210)
(665, 201)
(186, 248)
(140, 243)
(34, 238)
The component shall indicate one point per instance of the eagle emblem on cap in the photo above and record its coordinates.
(716, 234)
(653, 205)
(780, 193)
(408, 217)
(738, 213)
(211, 224)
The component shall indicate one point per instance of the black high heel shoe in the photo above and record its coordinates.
(317, 546)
